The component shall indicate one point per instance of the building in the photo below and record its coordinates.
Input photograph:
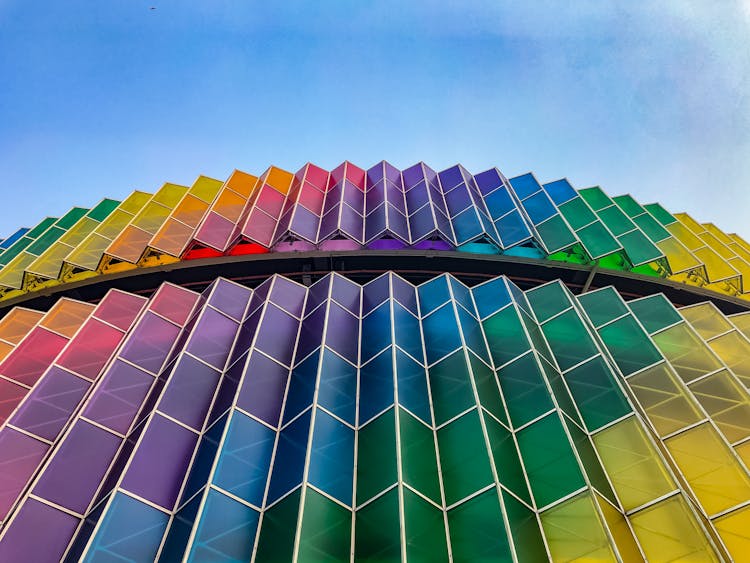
(376, 365)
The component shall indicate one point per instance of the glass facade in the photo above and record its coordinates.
(350, 208)
(377, 422)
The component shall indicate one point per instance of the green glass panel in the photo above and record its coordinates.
(551, 467)
(506, 458)
(595, 197)
(525, 391)
(278, 528)
(570, 341)
(102, 210)
(15, 250)
(377, 530)
(42, 226)
(596, 393)
(652, 228)
(477, 531)
(45, 241)
(628, 205)
(376, 456)
(425, 530)
(71, 218)
(463, 458)
(524, 527)
(597, 240)
(660, 214)
(603, 305)
(655, 312)
(418, 460)
(640, 250)
(548, 300)
(487, 389)
(630, 347)
(450, 385)
(326, 530)
(537, 338)
(591, 464)
(555, 234)
(562, 394)
(577, 213)
(689, 356)
(505, 336)
(616, 220)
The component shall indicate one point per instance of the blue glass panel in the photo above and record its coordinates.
(245, 459)
(473, 336)
(525, 185)
(408, 334)
(467, 226)
(512, 229)
(289, 462)
(560, 191)
(432, 294)
(499, 203)
(337, 390)
(374, 293)
(462, 294)
(179, 531)
(332, 457)
(226, 531)
(376, 331)
(375, 386)
(301, 387)
(130, 530)
(539, 208)
(491, 296)
(204, 459)
(441, 332)
(412, 387)
(342, 332)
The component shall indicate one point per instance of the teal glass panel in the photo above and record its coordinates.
(506, 458)
(464, 458)
(630, 347)
(660, 214)
(102, 209)
(524, 389)
(418, 459)
(376, 331)
(616, 220)
(432, 294)
(595, 197)
(591, 464)
(331, 466)
(550, 464)
(278, 529)
(378, 531)
(597, 240)
(326, 530)
(655, 312)
(640, 250)
(487, 388)
(577, 213)
(596, 393)
(226, 531)
(451, 388)
(570, 341)
(337, 388)
(424, 530)
(491, 296)
(441, 331)
(524, 527)
(375, 386)
(652, 228)
(505, 336)
(477, 530)
(548, 300)
(408, 333)
(602, 305)
(555, 234)
(412, 387)
(376, 456)
(473, 335)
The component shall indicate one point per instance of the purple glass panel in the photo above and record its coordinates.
(20, 456)
(375, 174)
(392, 173)
(434, 245)
(246, 335)
(263, 388)
(351, 223)
(230, 298)
(450, 178)
(404, 293)
(342, 333)
(397, 223)
(295, 246)
(386, 244)
(212, 338)
(346, 293)
(375, 196)
(118, 398)
(305, 224)
(417, 197)
(375, 223)
(91, 349)
(458, 200)
(159, 464)
(488, 180)
(174, 303)
(22, 540)
(288, 295)
(354, 197)
(51, 403)
(189, 392)
(119, 308)
(150, 342)
(395, 197)
(329, 223)
(339, 244)
(311, 333)
(78, 467)
(227, 390)
(422, 223)
(374, 293)
(277, 334)
(333, 197)
(283, 224)
(412, 175)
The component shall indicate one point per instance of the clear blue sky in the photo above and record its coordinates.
(100, 98)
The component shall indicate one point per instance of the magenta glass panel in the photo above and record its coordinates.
(311, 198)
(20, 456)
(174, 303)
(22, 540)
(119, 308)
(150, 343)
(91, 348)
(50, 405)
(317, 176)
(189, 392)
(78, 467)
(160, 462)
(10, 395)
(270, 201)
(215, 231)
(33, 356)
(259, 227)
(119, 396)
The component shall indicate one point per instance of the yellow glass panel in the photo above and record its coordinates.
(718, 233)
(742, 322)
(688, 354)
(743, 450)
(667, 404)
(129, 246)
(48, 264)
(172, 237)
(242, 183)
(89, 254)
(66, 316)
(739, 240)
(169, 195)
(734, 350)
(206, 188)
(11, 276)
(574, 531)
(680, 258)
(713, 242)
(743, 267)
(134, 202)
(230, 205)
(632, 463)
(685, 235)
(706, 319)
(726, 402)
(717, 268)
(689, 222)
(279, 179)
(114, 224)
(740, 251)
(79, 231)
(190, 211)
(17, 324)
(717, 479)
(620, 531)
(734, 529)
(668, 531)
(5, 349)
(152, 217)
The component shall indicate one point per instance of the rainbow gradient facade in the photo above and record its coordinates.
(374, 417)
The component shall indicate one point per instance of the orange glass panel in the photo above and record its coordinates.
(242, 182)
(66, 316)
(17, 324)
(229, 205)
